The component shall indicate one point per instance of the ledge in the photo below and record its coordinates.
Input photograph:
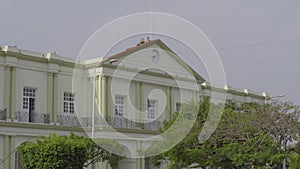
(74, 129)
(39, 126)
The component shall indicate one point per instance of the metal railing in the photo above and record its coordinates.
(3, 114)
(81, 121)
(33, 117)
(122, 122)
(73, 120)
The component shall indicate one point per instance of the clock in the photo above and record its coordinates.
(155, 56)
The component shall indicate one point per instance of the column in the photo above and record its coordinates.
(97, 95)
(109, 98)
(97, 165)
(142, 104)
(99, 84)
(11, 151)
(140, 162)
(172, 103)
(55, 98)
(103, 96)
(13, 94)
(50, 96)
(137, 100)
(105, 165)
(6, 151)
(7, 88)
(98, 110)
(198, 97)
(168, 103)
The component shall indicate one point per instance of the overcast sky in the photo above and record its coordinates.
(258, 40)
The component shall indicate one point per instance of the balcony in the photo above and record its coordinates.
(115, 122)
(72, 120)
(121, 122)
(33, 117)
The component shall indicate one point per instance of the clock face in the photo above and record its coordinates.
(154, 56)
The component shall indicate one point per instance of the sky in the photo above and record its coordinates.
(258, 41)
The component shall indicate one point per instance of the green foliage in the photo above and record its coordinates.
(181, 123)
(249, 135)
(63, 152)
(294, 161)
(108, 150)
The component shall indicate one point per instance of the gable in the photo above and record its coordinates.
(142, 57)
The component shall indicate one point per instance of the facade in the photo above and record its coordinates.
(129, 93)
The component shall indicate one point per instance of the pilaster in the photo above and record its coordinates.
(97, 165)
(137, 100)
(97, 95)
(13, 94)
(143, 163)
(6, 151)
(50, 96)
(100, 91)
(105, 165)
(55, 98)
(7, 88)
(11, 152)
(168, 103)
(109, 98)
(143, 114)
(172, 103)
(140, 162)
(137, 163)
(104, 97)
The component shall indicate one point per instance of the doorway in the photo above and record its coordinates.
(31, 109)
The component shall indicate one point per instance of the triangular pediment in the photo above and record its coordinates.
(155, 56)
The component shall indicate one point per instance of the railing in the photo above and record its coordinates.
(153, 125)
(115, 122)
(3, 114)
(33, 118)
(75, 121)
(121, 122)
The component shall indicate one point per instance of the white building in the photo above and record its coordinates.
(135, 91)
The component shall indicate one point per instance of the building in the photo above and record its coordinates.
(46, 93)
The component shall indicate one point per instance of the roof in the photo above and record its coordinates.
(139, 47)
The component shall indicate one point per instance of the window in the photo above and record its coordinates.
(151, 108)
(178, 106)
(69, 103)
(28, 95)
(119, 105)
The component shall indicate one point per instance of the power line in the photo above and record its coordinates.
(185, 52)
(259, 44)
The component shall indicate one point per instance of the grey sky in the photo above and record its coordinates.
(271, 64)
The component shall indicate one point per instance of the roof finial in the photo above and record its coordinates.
(142, 41)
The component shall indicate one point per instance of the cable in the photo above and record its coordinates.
(259, 44)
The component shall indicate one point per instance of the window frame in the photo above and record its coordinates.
(151, 108)
(68, 103)
(178, 106)
(119, 105)
(31, 93)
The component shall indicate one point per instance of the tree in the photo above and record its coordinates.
(249, 135)
(63, 152)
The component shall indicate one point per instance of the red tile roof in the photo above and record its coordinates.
(133, 49)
